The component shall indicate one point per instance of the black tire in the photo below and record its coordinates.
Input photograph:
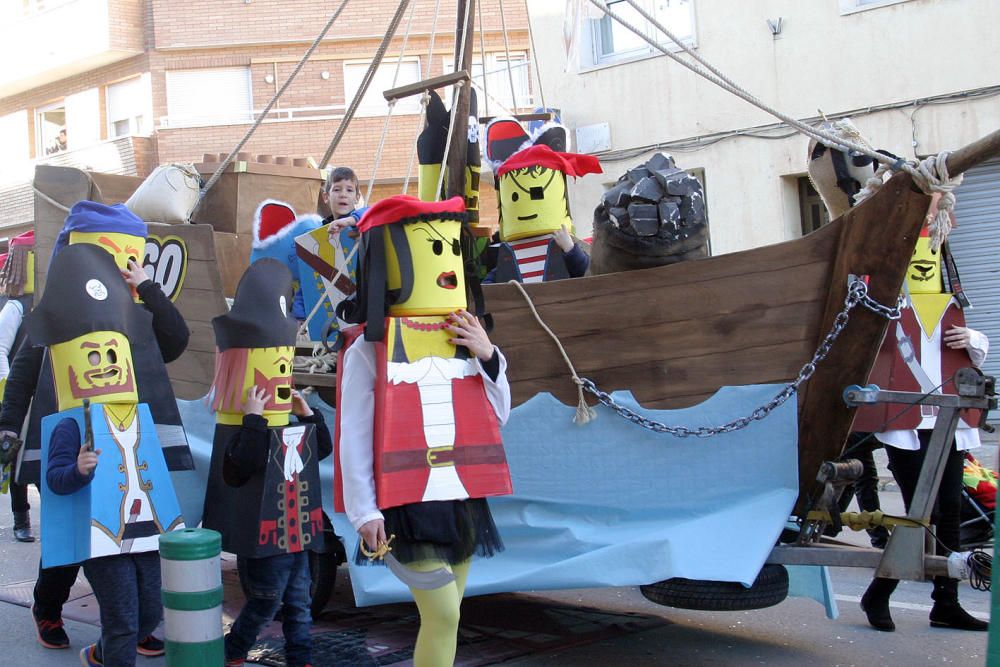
(769, 588)
(323, 572)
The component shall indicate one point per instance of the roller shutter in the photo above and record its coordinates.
(975, 243)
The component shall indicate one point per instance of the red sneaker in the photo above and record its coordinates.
(151, 647)
(50, 632)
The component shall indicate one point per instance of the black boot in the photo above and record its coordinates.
(875, 603)
(22, 527)
(947, 613)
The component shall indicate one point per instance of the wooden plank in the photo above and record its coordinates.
(411, 89)
(878, 240)
(206, 169)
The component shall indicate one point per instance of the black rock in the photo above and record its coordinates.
(644, 219)
(693, 210)
(619, 216)
(660, 161)
(683, 185)
(637, 174)
(647, 189)
(670, 215)
(618, 195)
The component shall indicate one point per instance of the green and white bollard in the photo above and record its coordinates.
(993, 647)
(192, 597)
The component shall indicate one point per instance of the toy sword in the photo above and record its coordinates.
(88, 429)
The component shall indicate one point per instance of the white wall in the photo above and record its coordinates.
(821, 60)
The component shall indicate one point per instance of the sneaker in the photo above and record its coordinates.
(50, 632)
(151, 647)
(88, 656)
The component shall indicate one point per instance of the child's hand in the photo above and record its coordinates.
(340, 224)
(470, 333)
(256, 400)
(86, 461)
(563, 239)
(299, 406)
(134, 275)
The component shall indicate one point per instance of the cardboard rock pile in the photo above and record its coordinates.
(654, 215)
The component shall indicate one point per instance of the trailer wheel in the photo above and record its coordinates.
(769, 588)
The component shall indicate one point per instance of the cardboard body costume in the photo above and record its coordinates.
(157, 341)
(433, 434)
(87, 317)
(914, 356)
(531, 178)
(272, 505)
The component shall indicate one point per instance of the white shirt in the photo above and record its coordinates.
(966, 436)
(10, 321)
(357, 421)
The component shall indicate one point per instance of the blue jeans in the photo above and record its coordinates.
(277, 582)
(127, 588)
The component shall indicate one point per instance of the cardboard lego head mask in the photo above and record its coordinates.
(113, 228)
(255, 344)
(86, 317)
(533, 197)
(923, 275)
(423, 268)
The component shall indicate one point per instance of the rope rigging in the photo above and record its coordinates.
(931, 175)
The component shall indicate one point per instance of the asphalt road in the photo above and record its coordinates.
(796, 632)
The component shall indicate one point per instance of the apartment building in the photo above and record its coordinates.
(123, 85)
(916, 76)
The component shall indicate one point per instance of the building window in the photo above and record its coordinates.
(493, 83)
(129, 108)
(811, 207)
(611, 42)
(50, 129)
(852, 6)
(373, 103)
(208, 97)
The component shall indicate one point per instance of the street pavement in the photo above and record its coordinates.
(795, 632)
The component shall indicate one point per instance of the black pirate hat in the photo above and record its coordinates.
(84, 292)
(259, 317)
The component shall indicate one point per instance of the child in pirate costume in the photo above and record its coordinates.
(117, 231)
(536, 242)
(264, 488)
(921, 353)
(422, 395)
(17, 286)
(107, 494)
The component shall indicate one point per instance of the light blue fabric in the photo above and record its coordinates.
(612, 504)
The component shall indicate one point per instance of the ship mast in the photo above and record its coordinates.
(456, 159)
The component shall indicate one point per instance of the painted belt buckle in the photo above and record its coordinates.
(433, 452)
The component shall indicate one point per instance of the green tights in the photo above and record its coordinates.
(439, 613)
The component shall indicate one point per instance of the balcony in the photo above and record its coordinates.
(50, 40)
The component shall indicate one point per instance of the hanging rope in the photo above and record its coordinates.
(584, 413)
(470, 24)
(263, 114)
(392, 105)
(930, 178)
(534, 58)
(424, 99)
(365, 82)
(482, 58)
(506, 50)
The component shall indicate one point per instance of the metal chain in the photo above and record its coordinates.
(857, 293)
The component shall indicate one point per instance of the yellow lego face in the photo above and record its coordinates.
(270, 368)
(532, 203)
(438, 270)
(96, 366)
(923, 275)
(122, 247)
(29, 280)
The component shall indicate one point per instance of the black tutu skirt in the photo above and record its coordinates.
(448, 530)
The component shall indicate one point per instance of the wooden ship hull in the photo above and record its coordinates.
(674, 335)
